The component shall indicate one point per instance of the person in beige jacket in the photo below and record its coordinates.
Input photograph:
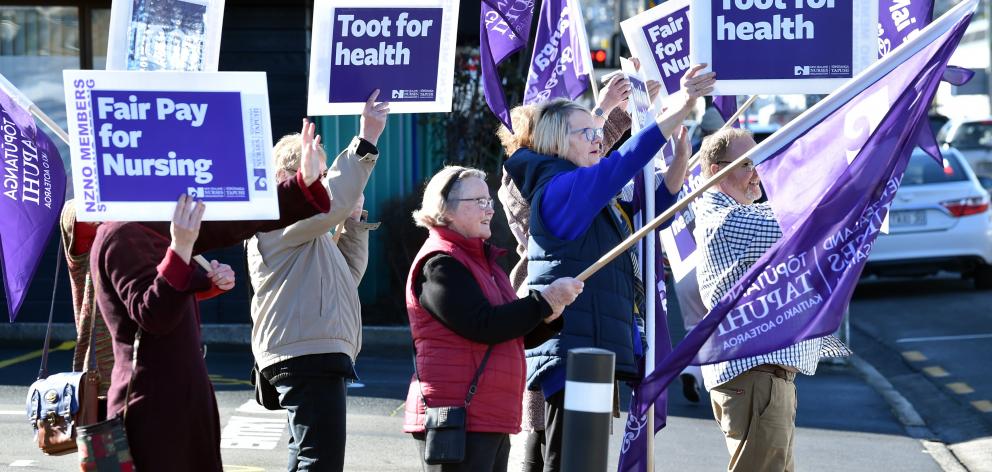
(307, 325)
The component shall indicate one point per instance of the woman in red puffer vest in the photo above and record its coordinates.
(460, 305)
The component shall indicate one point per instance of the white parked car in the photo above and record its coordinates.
(973, 137)
(939, 221)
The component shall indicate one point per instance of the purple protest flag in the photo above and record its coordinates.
(831, 175)
(32, 196)
(900, 20)
(727, 106)
(553, 69)
(504, 30)
(959, 76)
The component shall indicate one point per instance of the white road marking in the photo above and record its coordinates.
(245, 432)
(13, 412)
(251, 406)
(22, 463)
(945, 338)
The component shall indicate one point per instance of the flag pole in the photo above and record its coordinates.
(594, 88)
(668, 214)
(650, 320)
(27, 104)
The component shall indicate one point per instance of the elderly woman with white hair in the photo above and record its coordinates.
(468, 325)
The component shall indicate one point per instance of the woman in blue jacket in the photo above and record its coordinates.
(574, 219)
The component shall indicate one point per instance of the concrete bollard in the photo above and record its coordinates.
(588, 410)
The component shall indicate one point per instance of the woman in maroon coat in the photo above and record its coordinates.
(145, 281)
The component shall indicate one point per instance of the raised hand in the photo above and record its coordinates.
(221, 275)
(615, 93)
(373, 118)
(696, 85)
(311, 158)
(186, 226)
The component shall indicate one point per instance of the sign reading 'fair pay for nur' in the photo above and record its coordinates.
(139, 140)
(406, 49)
(783, 46)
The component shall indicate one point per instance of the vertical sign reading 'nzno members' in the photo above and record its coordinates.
(783, 46)
(404, 49)
(139, 140)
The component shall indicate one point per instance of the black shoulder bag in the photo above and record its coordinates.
(445, 425)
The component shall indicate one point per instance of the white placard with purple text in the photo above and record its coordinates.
(783, 46)
(406, 49)
(139, 140)
(177, 35)
(659, 37)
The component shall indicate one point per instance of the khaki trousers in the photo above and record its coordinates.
(757, 413)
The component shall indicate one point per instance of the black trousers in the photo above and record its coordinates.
(484, 452)
(554, 417)
(534, 452)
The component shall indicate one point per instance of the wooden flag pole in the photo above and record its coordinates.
(670, 212)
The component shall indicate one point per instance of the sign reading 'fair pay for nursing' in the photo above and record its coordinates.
(139, 140)
(783, 46)
(406, 49)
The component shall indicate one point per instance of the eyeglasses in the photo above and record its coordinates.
(484, 203)
(591, 134)
(748, 166)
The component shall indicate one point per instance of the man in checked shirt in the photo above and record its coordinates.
(754, 398)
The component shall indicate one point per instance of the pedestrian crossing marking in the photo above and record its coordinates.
(960, 388)
(245, 432)
(914, 356)
(936, 371)
(22, 463)
(983, 406)
(65, 346)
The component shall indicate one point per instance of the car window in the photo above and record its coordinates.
(922, 169)
(975, 135)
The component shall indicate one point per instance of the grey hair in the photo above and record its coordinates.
(444, 185)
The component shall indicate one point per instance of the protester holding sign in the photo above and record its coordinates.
(306, 313)
(733, 233)
(145, 288)
(574, 220)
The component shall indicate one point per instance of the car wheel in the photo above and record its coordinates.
(983, 277)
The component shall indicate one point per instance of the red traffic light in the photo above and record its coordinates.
(598, 56)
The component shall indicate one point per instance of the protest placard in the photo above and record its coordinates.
(659, 37)
(783, 46)
(639, 104)
(677, 238)
(179, 35)
(139, 140)
(406, 49)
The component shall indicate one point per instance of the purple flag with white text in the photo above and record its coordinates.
(505, 29)
(556, 64)
(900, 20)
(33, 192)
(727, 106)
(831, 175)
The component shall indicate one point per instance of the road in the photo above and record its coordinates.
(843, 423)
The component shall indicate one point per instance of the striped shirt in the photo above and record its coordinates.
(731, 237)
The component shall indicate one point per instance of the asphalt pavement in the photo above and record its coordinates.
(848, 420)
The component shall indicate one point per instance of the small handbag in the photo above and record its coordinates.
(265, 393)
(58, 404)
(103, 446)
(444, 426)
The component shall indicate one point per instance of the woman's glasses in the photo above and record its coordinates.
(484, 203)
(591, 134)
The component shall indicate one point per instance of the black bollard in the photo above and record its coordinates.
(588, 410)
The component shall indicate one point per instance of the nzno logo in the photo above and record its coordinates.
(801, 70)
(397, 94)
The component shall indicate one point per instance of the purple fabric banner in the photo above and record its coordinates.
(33, 191)
(831, 188)
(899, 20)
(504, 30)
(633, 450)
(553, 64)
(727, 106)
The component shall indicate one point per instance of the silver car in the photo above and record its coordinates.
(939, 221)
(973, 137)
